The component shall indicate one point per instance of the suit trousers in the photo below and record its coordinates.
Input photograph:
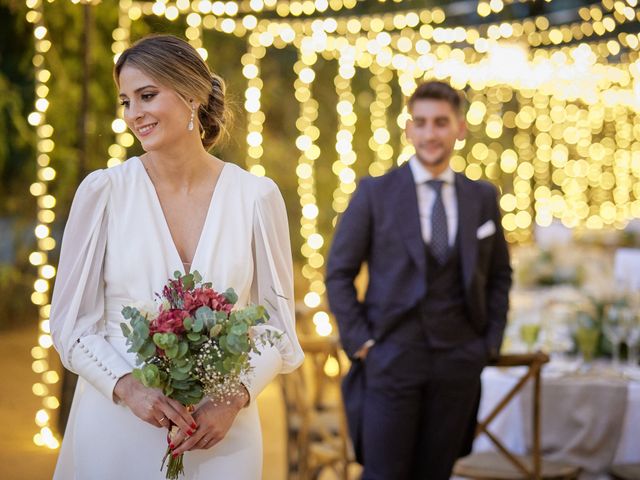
(418, 405)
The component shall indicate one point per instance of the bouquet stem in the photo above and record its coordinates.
(175, 466)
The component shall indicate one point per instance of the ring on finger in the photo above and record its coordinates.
(162, 419)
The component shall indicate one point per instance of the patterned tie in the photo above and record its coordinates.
(439, 230)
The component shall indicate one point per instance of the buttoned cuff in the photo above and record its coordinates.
(96, 360)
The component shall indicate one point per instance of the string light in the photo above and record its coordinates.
(45, 243)
(380, 139)
(407, 84)
(415, 45)
(566, 118)
(293, 9)
(536, 31)
(305, 171)
(255, 117)
(127, 11)
(347, 118)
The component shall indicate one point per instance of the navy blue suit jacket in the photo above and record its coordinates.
(381, 227)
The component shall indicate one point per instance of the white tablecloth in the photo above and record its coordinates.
(509, 426)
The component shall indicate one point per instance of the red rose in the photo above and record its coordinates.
(169, 321)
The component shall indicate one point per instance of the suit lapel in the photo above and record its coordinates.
(468, 214)
(408, 216)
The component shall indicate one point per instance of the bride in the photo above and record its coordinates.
(174, 208)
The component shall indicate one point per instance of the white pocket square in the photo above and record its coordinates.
(486, 229)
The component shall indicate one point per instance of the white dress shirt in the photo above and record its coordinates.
(427, 196)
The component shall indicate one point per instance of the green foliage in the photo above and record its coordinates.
(231, 296)
(149, 375)
(17, 138)
(137, 333)
(15, 284)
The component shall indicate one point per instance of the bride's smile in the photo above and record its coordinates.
(155, 113)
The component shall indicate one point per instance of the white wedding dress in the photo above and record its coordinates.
(117, 250)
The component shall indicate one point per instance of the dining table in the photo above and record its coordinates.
(590, 414)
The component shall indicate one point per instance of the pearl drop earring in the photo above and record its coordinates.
(193, 114)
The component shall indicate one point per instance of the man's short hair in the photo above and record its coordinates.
(436, 90)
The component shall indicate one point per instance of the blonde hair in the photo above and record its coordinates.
(175, 64)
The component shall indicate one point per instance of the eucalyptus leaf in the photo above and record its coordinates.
(126, 330)
(150, 376)
(183, 348)
(165, 340)
(221, 317)
(180, 384)
(141, 328)
(137, 374)
(158, 339)
(147, 350)
(188, 323)
(172, 352)
(231, 296)
(215, 331)
(239, 329)
(198, 325)
(177, 374)
(233, 344)
(187, 282)
(206, 315)
(184, 368)
(197, 343)
(243, 343)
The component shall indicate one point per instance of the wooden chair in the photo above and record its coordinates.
(630, 471)
(296, 407)
(504, 465)
(317, 437)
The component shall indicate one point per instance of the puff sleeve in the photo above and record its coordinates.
(77, 307)
(272, 287)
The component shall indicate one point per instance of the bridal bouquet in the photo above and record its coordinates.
(197, 344)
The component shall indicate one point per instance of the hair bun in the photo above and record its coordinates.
(214, 116)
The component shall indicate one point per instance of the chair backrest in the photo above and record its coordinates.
(306, 388)
(324, 366)
(534, 362)
(312, 395)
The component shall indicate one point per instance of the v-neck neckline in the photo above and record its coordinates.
(158, 206)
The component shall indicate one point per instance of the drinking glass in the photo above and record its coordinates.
(529, 334)
(617, 318)
(587, 335)
(587, 339)
(633, 341)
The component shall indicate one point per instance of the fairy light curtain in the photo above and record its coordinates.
(553, 114)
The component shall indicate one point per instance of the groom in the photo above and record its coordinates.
(436, 302)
